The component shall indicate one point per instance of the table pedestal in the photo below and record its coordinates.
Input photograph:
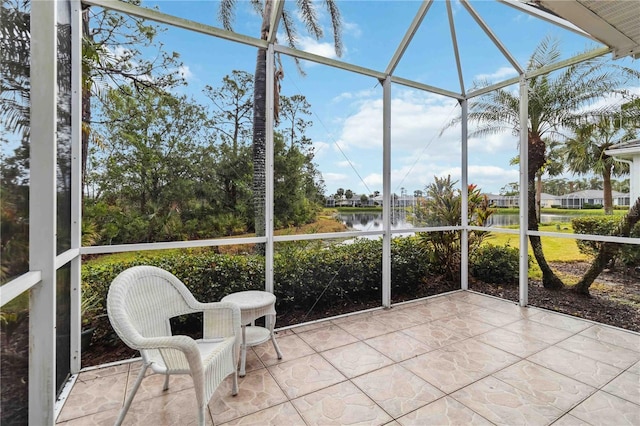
(254, 305)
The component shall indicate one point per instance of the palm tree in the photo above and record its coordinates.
(584, 153)
(555, 102)
(308, 13)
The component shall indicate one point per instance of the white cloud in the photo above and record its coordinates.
(362, 94)
(311, 45)
(373, 181)
(186, 72)
(494, 144)
(501, 74)
(346, 163)
(352, 29)
(417, 118)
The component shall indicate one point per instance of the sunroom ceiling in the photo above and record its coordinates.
(615, 23)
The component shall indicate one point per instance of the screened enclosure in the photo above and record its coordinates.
(155, 156)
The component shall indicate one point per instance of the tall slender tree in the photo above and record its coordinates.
(585, 152)
(556, 101)
(309, 15)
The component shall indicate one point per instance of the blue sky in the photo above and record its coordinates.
(347, 107)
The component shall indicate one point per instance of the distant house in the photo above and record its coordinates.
(503, 201)
(629, 152)
(549, 200)
(354, 201)
(576, 200)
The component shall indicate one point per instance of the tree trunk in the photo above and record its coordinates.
(536, 161)
(86, 106)
(538, 195)
(608, 250)
(259, 130)
(606, 189)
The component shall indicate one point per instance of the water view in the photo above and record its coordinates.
(369, 221)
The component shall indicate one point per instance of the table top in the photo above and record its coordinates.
(252, 299)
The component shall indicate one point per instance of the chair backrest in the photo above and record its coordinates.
(141, 301)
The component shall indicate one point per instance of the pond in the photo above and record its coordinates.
(369, 221)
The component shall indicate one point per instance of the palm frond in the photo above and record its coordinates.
(336, 25)
(309, 16)
(226, 13)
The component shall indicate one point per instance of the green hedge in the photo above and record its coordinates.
(305, 278)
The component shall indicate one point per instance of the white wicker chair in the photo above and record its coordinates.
(140, 303)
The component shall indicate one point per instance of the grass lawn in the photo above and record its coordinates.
(555, 249)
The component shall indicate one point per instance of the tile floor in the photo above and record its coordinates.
(461, 358)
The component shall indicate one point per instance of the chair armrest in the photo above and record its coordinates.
(220, 319)
(182, 343)
(168, 344)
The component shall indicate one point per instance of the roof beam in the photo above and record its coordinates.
(276, 14)
(426, 87)
(163, 18)
(492, 36)
(417, 20)
(301, 54)
(454, 39)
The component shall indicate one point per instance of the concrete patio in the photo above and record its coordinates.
(460, 358)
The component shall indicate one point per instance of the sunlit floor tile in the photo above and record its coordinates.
(563, 322)
(546, 385)
(398, 346)
(329, 337)
(445, 411)
(458, 365)
(514, 343)
(578, 367)
(605, 352)
(397, 390)
(435, 336)
(305, 375)
(356, 359)
(461, 324)
(364, 328)
(257, 391)
(280, 415)
(613, 336)
(603, 408)
(503, 404)
(93, 396)
(291, 346)
(625, 386)
(341, 404)
(538, 331)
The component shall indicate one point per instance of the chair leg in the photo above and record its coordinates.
(166, 383)
(234, 390)
(275, 345)
(201, 415)
(127, 403)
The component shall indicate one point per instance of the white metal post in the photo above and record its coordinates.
(464, 220)
(76, 181)
(524, 191)
(386, 192)
(42, 213)
(269, 172)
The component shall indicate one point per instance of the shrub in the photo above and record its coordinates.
(495, 264)
(593, 225)
(629, 254)
(589, 206)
